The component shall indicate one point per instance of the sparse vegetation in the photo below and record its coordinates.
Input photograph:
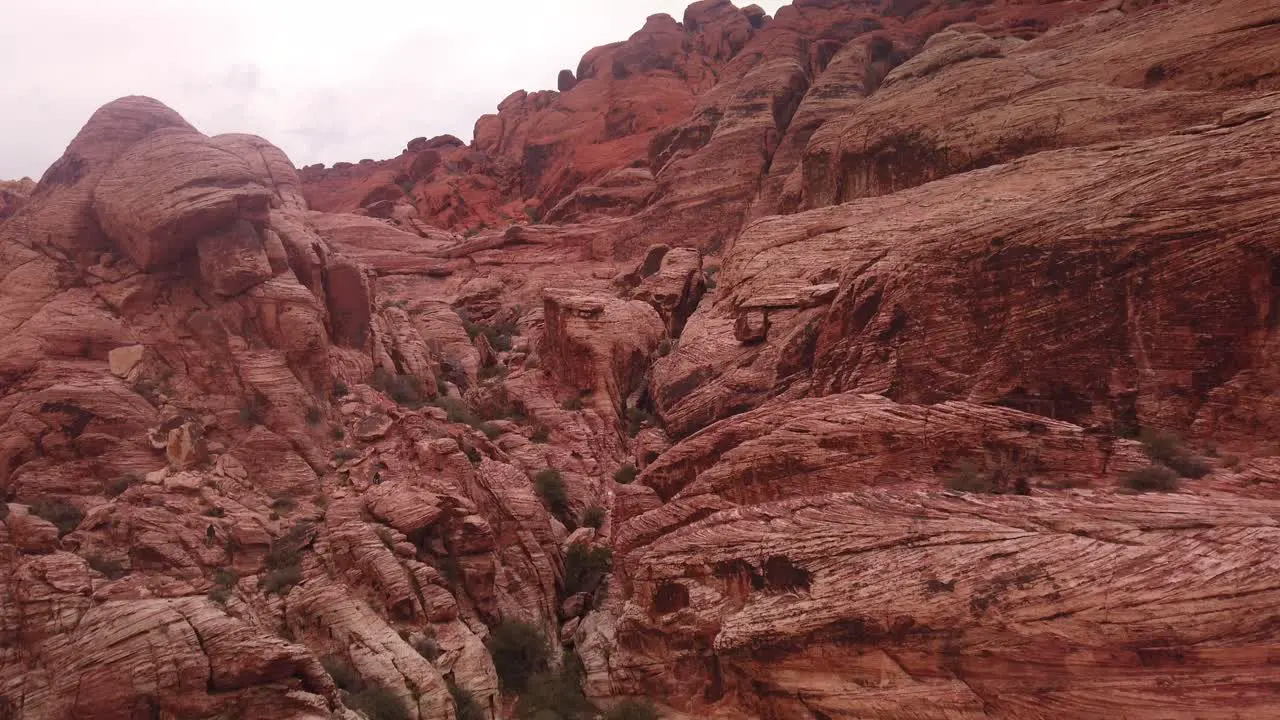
(58, 511)
(110, 567)
(345, 454)
(585, 567)
(710, 274)
(284, 504)
(593, 517)
(664, 347)
(215, 512)
(554, 695)
(427, 647)
(495, 371)
(338, 432)
(519, 652)
(1153, 478)
(499, 335)
(626, 474)
(491, 431)
(284, 561)
(314, 416)
(968, 477)
(472, 454)
(116, 487)
(541, 434)
(406, 390)
(574, 403)
(224, 583)
(549, 484)
(253, 409)
(633, 710)
(1167, 450)
(340, 389)
(637, 418)
(464, 704)
(344, 676)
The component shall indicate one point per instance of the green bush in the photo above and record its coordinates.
(968, 477)
(110, 567)
(279, 580)
(427, 647)
(284, 561)
(464, 704)
(116, 487)
(519, 652)
(493, 371)
(405, 390)
(1153, 478)
(253, 409)
(593, 517)
(554, 695)
(549, 484)
(344, 676)
(626, 474)
(1167, 450)
(633, 710)
(58, 511)
(585, 567)
(637, 418)
(457, 411)
(379, 703)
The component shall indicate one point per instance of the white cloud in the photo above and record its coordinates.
(326, 81)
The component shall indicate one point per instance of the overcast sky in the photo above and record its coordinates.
(326, 81)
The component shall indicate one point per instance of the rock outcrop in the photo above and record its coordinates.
(872, 360)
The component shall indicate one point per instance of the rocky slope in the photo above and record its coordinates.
(888, 309)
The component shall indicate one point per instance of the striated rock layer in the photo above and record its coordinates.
(852, 333)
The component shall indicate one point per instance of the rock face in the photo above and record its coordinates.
(857, 336)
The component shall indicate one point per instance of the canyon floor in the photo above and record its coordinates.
(882, 359)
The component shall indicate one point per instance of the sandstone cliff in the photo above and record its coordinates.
(852, 337)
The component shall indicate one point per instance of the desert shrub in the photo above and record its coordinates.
(253, 409)
(549, 484)
(379, 703)
(541, 434)
(284, 561)
(457, 411)
(58, 511)
(574, 403)
(314, 416)
(626, 474)
(1167, 450)
(1153, 478)
(498, 335)
(279, 580)
(464, 704)
(710, 274)
(593, 517)
(633, 710)
(519, 652)
(340, 389)
(345, 454)
(1230, 461)
(226, 578)
(491, 431)
(427, 647)
(338, 432)
(219, 594)
(496, 370)
(214, 511)
(472, 454)
(585, 567)
(110, 567)
(637, 418)
(406, 390)
(664, 347)
(344, 676)
(554, 695)
(4, 509)
(117, 486)
(283, 504)
(968, 477)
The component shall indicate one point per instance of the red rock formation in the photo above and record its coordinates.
(268, 436)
